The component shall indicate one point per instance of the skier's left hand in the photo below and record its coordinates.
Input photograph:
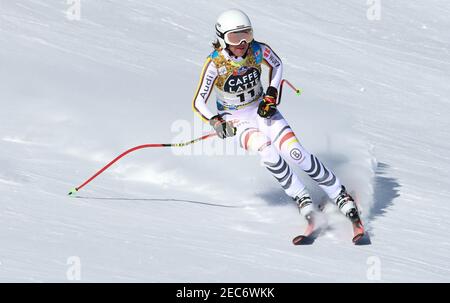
(268, 106)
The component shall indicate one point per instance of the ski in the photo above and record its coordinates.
(306, 237)
(358, 232)
(311, 231)
(360, 237)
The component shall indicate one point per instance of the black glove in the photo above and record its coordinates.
(223, 128)
(268, 106)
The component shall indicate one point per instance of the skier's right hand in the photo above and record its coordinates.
(223, 128)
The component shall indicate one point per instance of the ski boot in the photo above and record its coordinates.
(306, 209)
(348, 207)
(305, 206)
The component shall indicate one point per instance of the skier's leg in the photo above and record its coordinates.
(289, 181)
(287, 144)
(251, 138)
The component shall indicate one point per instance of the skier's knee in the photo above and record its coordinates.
(290, 147)
(254, 140)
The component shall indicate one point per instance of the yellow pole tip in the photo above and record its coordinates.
(73, 191)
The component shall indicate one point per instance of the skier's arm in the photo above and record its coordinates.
(275, 65)
(267, 107)
(204, 89)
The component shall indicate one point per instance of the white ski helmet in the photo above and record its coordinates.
(233, 20)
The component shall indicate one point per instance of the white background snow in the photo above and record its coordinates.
(76, 93)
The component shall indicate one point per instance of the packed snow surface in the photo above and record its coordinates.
(76, 90)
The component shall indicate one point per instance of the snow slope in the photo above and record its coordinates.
(74, 94)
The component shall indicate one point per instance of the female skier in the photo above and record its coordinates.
(249, 115)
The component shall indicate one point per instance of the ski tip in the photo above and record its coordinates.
(303, 240)
(357, 239)
(72, 192)
(363, 239)
(298, 240)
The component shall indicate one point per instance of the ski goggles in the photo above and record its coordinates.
(236, 37)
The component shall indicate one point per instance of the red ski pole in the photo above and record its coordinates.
(297, 91)
(76, 189)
